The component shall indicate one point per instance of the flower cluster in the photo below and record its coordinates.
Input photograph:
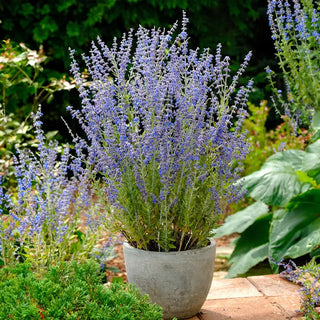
(163, 125)
(309, 278)
(295, 30)
(41, 219)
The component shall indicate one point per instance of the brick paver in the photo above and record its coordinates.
(254, 298)
(274, 285)
(232, 288)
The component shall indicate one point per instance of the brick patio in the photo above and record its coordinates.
(254, 298)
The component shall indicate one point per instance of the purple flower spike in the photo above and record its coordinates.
(163, 125)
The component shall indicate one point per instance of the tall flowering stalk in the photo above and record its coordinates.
(295, 29)
(50, 217)
(163, 125)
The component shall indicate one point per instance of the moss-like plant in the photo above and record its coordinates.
(69, 291)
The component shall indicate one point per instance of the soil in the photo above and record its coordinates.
(118, 261)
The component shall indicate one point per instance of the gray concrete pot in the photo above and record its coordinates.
(177, 281)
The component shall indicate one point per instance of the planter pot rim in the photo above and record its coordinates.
(185, 252)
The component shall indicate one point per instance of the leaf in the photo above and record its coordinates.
(303, 177)
(248, 260)
(73, 29)
(315, 124)
(296, 232)
(314, 148)
(251, 247)
(51, 134)
(277, 181)
(315, 136)
(315, 252)
(243, 219)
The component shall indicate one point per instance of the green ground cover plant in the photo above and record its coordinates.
(69, 291)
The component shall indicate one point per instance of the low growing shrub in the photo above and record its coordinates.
(69, 291)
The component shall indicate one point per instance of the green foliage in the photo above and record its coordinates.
(69, 291)
(63, 23)
(264, 143)
(285, 220)
(296, 231)
(13, 135)
(24, 84)
(60, 24)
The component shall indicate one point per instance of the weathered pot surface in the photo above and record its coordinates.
(177, 281)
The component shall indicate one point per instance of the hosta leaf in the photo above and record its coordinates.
(248, 260)
(314, 148)
(277, 182)
(243, 219)
(315, 136)
(304, 177)
(315, 252)
(312, 166)
(251, 248)
(315, 124)
(296, 232)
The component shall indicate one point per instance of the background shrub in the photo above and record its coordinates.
(60, 24)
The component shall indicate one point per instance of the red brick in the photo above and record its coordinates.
(274, 285)
(251, 308)
(232, 288)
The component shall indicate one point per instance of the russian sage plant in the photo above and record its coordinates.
(295, 31)
(308, 277)
(51, 217)
(163, 127)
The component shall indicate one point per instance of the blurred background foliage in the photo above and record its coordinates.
(55, 25)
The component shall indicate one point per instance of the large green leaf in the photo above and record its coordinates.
(314, 148)
(315, 124)
(313, 167)
(243, 219)
(315, 252)
(251, 248)
(296, 232)
(277, 182)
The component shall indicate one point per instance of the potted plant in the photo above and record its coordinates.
(164, 141)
